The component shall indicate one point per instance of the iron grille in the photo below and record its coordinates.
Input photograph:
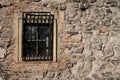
(37, 40)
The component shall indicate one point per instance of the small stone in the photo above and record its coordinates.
(108, 11)
(72, 14)
(0, 6)
(99, 4)
(0, 27)
(87, 5)
(62, 1)
(82, 7)
(112, 3)
(5, 3)
(103, 30)
(107, 23)
(36, 0)
(66, 73)
(53, 6)
(1, 78)
(45, 4)
(62, 7)
(84, 1)
(79, 50)
(3, 52)
(97, 46)
(115, 62)
(50, 75)
(109, 53)
(73, 61)
(7, 34)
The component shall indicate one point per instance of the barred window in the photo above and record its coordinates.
(37, 36)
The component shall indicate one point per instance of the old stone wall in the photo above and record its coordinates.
(88, 40)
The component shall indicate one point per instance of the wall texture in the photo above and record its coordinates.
(88, 40)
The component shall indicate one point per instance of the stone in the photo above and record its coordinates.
(100, 4)
(7, 34)
(97, 46)
(109, 53)
(73, 61)
(62, 7)
(50, 74)
(82, 7)
(63, 1)
(112, 3)
(115, 62)
(72, 7)
(0, 6)
(45, 4)
(87, 5)
(53, 6)
(36, 0)
(0, 27)
(1, 78)
(95, 39)
(5, 3)
(3, 52)
(66, 73)
(107, 23)
(76, 38)
(79, 49)
(92, 1)
(117, 51)
(108, 11)
(84, 1)
(87, 65)
(103, 30)
(72, 14)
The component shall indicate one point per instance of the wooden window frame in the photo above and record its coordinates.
(18, 38)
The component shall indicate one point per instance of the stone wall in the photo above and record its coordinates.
(88, 39)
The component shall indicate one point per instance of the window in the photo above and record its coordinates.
(37, 36)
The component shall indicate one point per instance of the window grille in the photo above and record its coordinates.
(37, 39)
